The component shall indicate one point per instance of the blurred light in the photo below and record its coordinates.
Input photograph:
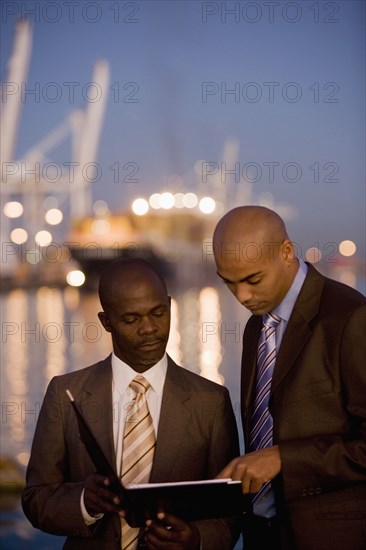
(19, 235)
(33, 256)
(75, 278)
(347, 248)
(100, 208)
(209, 357)
(154, 200)
(166, 200)
(50, 314)
(207, 205)
(174, 342)
(210, 347)
(43, 238)
(140, 206)
(72, 298)
(189, 324)
(15, 366)
(190, 200)
(54, 216)
(23, 458)
(100, 227)
(313, 255)
(50, 202)
(178, 200)
(13, 209)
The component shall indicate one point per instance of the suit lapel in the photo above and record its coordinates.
(96, 403)
(98, 398)
(95, 399)
(299, 326)
(174, 416)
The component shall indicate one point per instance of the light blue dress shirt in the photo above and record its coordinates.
(266, 506)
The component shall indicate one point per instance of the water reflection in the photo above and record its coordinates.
(188, 323)
(210, 342)
(174, 344)
(50, 312)
(47, 331)
(15, 364)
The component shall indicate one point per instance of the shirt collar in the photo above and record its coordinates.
(284, 309)
(123, 374)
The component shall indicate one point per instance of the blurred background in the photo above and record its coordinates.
(127, 130)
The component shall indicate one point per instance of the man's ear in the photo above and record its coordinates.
(104, 319)
(288, 251)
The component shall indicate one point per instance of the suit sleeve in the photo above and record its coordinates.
(221, 534)
(50, 500)
(338, 459)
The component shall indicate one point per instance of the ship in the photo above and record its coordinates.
(173, 241)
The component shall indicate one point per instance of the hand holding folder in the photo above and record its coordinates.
(188, 500)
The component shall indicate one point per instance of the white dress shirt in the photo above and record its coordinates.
(122, 396)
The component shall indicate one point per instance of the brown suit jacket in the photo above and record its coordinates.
(197, 436)
(318, 404)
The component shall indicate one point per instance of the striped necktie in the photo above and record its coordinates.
(261, 431)
(138, 450)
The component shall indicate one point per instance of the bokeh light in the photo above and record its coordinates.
(100, 227)
(154, 201)
(166, 200)
(313, 255)
(75, 278)
(178, 200)
(140, 206)
(347, 248)
(54, 216)
(13, 209)
(190, 200)
(19, 235)
(207, 205)
(43, 238)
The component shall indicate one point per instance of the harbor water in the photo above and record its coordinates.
(50, 331)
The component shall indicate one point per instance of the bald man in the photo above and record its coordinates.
(304, 398)
(192, 418)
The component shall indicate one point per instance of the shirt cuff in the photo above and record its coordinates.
(88, 519)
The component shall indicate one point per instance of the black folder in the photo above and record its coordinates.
(188, 500)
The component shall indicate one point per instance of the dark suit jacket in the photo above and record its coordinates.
(197, 436)
(318, 404)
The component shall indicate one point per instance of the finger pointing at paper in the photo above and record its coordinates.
(254, 469)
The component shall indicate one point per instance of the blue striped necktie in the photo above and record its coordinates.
(261, 428)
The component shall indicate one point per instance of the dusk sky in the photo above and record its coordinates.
(284, 80)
